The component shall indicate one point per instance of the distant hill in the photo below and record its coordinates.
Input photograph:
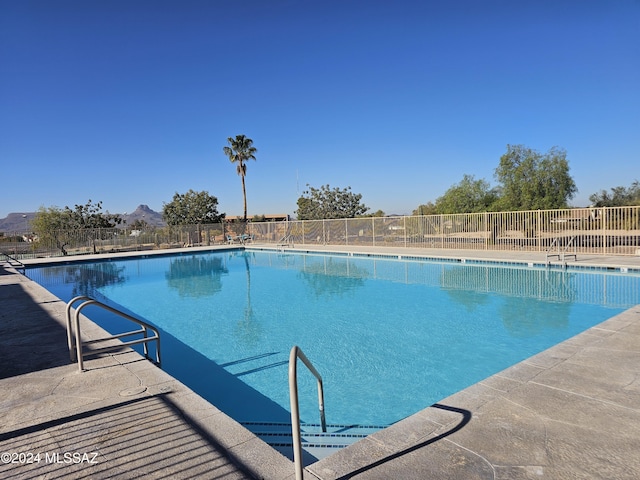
(144, 213)
(19, 222)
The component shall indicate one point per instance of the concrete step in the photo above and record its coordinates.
(316, 444)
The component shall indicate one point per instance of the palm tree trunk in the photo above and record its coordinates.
(244, 195)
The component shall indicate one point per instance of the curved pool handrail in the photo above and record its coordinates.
(74, 338)
(295, 410)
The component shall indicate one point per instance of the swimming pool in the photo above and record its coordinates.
(390, 336)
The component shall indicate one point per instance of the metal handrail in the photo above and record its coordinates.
(75, 343)
(562, 255)
(295, 410)
(575, 249)
(555, 242)
(286, 241)
(14, 262)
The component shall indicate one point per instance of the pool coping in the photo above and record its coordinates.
(622, 264)
(456, 428)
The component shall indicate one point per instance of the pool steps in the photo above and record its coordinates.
(315, 443)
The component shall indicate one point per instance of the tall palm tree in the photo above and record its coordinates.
(240, 150)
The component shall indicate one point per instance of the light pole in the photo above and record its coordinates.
(25, 237)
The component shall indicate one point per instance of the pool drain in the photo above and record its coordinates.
(130, 392)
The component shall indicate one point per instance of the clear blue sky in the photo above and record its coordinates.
(128, 102)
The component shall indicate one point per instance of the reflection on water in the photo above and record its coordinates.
(196, 276)
(84, 278)
(248, 329)
(471, 300)
(522, 313)
(547, 284)
(467, 282)
(200, 275)
(332, 276)
(535, 299)
(528, 317)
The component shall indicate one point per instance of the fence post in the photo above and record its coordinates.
(346, 231)
(605, 215)
(404, 229)
(373, 231)
(538, 231)
(324, 236)
(487, 235)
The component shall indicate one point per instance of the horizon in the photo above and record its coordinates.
(130, 102)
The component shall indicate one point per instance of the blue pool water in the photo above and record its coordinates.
(390, 337)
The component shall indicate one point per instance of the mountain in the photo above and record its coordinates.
(145, 214)
(19, 222)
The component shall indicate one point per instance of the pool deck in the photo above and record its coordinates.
(572, 411)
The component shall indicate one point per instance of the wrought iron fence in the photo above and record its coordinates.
(108, 240)
(611, 231)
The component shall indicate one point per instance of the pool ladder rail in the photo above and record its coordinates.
(285, 241)
(14, 263)
(76, 345)
(296, 354)
(317, 444)
(561, 254)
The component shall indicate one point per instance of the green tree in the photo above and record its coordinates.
(468, 196)
(324, 202)
(619, 197)
(139, 225)
(240, 150)
(428, 208)
(52, 225)
(90, 215)
(192, 208)
(378, 213)
(534, 181)
(58, 226)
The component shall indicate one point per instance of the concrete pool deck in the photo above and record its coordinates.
(572, 411)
